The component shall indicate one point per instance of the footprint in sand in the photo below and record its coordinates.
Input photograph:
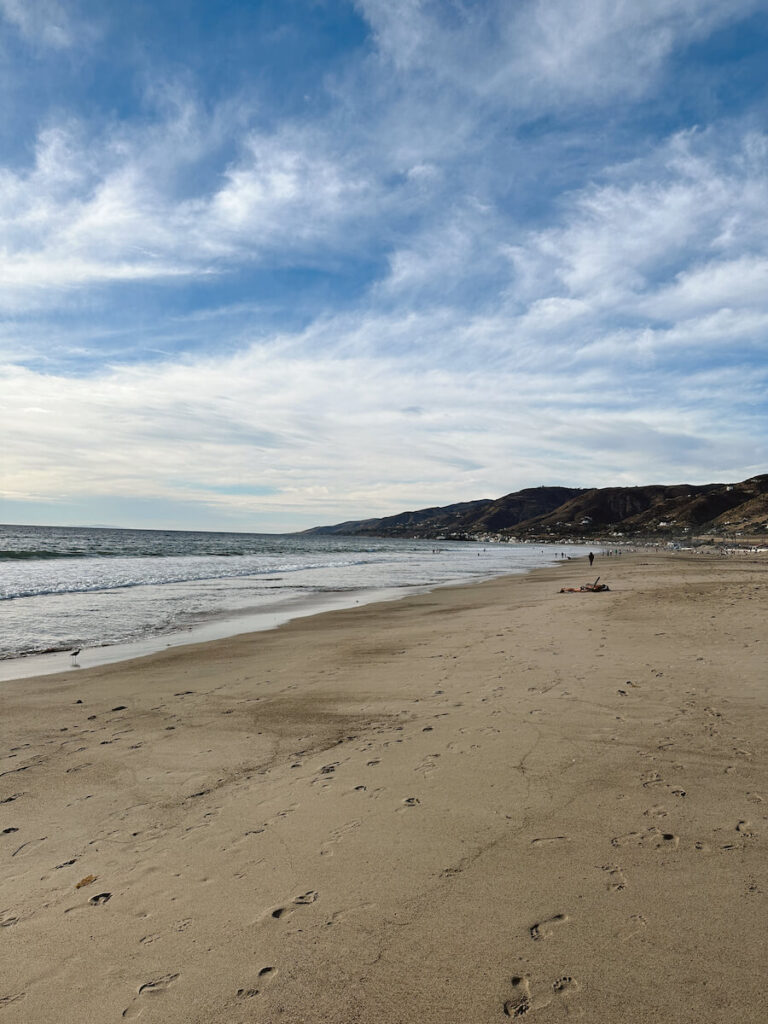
(282, 913)
(521, 1001)
(651, 778)
(634, 926)
(657, 811)
(428, 765)
(544, 929)
(651, 837)
(565, 989)
(562, 991)
(265, 975)
(307, 898)
(410, 801)
(150, 989)
(340, 915)
(617, 880)
(374, 794)
(337, 835)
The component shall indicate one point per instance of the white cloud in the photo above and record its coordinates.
(42, 22)
(107, 208)
(537, 53)
(665, 243)
(457, 246)
(574, 350)
(328, 428)
(95, 210)
(282, 190)
(713, 286)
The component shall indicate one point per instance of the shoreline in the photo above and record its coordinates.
(484, 801)
(227, 625)
(30, 666)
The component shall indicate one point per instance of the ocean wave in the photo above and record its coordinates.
(147, 574)
(46, 554)
(43, 554)
(63, 588)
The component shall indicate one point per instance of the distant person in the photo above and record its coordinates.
(591, 558)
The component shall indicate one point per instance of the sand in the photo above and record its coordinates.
(482, 803)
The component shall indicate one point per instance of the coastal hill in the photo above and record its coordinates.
(482, 516)
(559, 513)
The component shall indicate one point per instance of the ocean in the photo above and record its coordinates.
(115, 593)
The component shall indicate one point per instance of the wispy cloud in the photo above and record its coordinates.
(99, 209)
(669, 239)
(308, 427)
(44, 23)
(500, 249)
(542, 53)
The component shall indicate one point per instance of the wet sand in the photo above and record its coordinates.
(481, 803)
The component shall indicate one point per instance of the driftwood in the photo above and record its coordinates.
(587, 588)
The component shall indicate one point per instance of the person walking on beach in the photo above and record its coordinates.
(591, 558)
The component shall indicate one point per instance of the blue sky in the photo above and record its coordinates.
(271, 265)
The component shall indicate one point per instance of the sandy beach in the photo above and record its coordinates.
(485, 802)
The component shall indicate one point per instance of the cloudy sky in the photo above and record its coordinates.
(268, 264)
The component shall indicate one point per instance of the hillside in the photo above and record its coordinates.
(540, 513)
(484, 515)
(426, 522)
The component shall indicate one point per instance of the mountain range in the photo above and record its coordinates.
(656, 511)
